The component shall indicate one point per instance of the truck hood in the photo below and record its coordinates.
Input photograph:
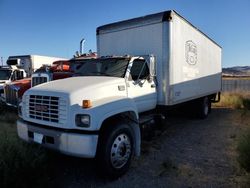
(2, 82)
(78, 88)
(20, 85)
(20, 82)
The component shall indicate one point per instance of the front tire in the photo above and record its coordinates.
(115, 150)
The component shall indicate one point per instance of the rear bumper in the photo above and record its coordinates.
(74, 144)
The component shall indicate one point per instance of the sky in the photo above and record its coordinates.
(55, 27)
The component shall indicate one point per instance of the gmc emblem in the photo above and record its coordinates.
(42, 108)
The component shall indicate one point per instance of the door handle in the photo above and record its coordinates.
(153, 85)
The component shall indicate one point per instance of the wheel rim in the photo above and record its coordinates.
(120, 151)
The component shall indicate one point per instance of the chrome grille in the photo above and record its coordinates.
(47, 108)
(38, 80)
(11, 95)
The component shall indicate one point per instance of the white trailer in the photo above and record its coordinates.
(100, 112)
(31, 63)
(188, 61)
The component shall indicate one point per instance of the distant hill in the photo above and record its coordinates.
(236, 71)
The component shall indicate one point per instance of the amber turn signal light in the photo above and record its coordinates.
(86, 104)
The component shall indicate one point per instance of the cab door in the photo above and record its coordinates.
(139, 86)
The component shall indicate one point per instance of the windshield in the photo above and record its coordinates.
(5, 74)
(115, 67)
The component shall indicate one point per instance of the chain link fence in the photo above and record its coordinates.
(235, 85)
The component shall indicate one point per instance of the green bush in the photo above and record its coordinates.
(244, 151)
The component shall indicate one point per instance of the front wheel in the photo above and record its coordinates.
(115, 150)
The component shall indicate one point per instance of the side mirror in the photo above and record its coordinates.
(152, 66)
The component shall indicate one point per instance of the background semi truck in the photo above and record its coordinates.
(23, 66)
(30, 63)
(13, 91)
(99, 113)
(8, 74)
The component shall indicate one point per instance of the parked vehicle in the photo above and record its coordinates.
(30, 63)
(99, 113)
(22, 66)
(8, 74)
(59, 70)
(13, 91)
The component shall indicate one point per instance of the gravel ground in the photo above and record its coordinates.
(185, 152)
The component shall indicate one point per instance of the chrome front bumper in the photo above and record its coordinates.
(74, 144)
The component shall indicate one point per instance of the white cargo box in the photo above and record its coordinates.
(31, 63)
(188, 62)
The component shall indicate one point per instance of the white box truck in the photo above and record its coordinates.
(31, 63)
(98, 114)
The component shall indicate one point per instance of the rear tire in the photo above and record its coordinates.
(203, 107)
(115, 150)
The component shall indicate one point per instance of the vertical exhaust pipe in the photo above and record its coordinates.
(81, 46)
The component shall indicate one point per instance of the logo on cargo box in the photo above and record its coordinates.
(191, 52)
(41, 108)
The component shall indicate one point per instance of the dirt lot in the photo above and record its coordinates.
(185, 152)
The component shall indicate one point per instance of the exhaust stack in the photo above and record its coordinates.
(82, 46)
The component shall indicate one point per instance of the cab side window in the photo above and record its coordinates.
(17, 75)
(139, 70)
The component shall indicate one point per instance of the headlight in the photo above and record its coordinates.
(82, 120)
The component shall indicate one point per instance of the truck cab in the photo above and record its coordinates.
(58, 70)
(72, 115)
(9, 74)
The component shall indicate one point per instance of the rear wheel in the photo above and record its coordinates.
(115, 150)
(203, 107)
